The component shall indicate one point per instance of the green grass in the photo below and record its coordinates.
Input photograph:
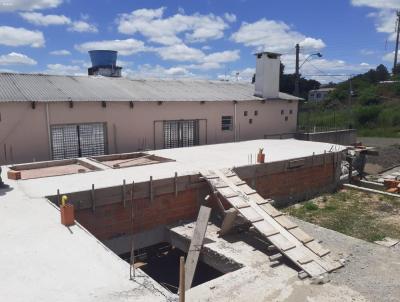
(361, 215)
(378, 120)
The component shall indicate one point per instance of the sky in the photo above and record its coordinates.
(212, 39)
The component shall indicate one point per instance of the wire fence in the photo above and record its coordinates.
(321, 121)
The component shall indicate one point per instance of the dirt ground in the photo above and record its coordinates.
(366, 216)
(389, 153)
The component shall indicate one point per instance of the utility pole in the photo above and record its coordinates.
(297, 72)
(397, 41)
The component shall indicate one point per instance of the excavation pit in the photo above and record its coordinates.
(161, 262)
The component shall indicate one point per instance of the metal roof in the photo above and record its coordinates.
(54, 88)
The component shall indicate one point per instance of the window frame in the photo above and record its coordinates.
(226, 123)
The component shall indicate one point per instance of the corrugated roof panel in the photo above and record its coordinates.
(37, 87)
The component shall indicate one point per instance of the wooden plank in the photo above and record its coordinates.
(228, 222)
(228, 172)
(218, 183)
(259, 199)
(270, 210)
(305, 260)
(246, 189)
(279, 236)
(250, 214)
(281, 242)
(265, 228)
(227, 192)
(316, 248)
(195, 245)
(301, 235)
(285, 222)
(238, 202)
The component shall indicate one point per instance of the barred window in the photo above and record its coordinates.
(226, 123)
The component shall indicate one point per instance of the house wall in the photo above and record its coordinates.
(24, 133)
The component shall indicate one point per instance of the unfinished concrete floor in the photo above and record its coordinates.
(371, 272)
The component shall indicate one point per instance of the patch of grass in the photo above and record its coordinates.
(361, 215)
(310, 206)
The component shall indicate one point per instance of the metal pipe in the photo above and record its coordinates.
(48, 130)
(234, 121)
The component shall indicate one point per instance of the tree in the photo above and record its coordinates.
(287, 83)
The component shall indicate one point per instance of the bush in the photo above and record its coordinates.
(367, 116)
(369, 96)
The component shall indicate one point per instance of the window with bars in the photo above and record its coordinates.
(226, 123)
(181, 133)
(72, 141)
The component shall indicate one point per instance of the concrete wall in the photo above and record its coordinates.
(340, 137)
(24, 132)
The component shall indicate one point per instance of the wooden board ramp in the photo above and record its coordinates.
(303, 250)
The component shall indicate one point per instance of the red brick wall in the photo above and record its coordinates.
(295, 182)
(113, 220)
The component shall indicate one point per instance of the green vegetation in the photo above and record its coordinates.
(365, 216)
(373, 109)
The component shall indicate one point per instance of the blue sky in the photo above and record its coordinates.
(206, 39)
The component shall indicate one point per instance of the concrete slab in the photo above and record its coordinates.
(41, 260)
(187, 161)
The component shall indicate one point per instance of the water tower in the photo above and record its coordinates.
(104, 63)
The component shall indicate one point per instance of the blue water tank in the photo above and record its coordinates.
(103, 57)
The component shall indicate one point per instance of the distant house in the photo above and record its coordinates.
(318, 95)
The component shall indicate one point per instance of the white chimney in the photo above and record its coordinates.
(267, 75)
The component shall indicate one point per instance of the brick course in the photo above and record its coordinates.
(114, 220)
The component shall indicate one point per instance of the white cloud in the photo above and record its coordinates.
(384, 16)
(27, 5)
(389, 57)
(18, 36)
(367, 52)
(230, 17)
(45, 20)
(82, 26)
(61, 69)
(124, 47)
(151, 24)
(60, 52)
(15, 58)
(380, 4)
(183, 53)
(215, 60)
(149, 71)
(276, 36)
(180, 52)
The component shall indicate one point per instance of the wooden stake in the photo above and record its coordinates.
(151, 189)
(58, 197)
(132, 191)
(93, 199)
(176, 184)
(123, 192)
(182, 279)
(132, 262)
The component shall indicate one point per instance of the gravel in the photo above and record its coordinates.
(370, 269)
